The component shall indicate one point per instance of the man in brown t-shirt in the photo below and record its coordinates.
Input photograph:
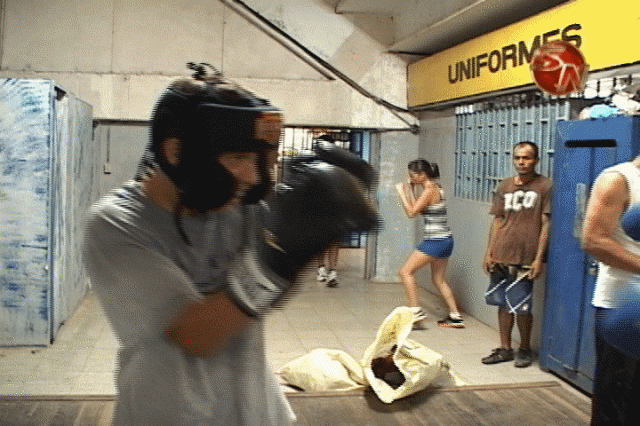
(515, 251)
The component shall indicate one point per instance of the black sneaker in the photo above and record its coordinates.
(524, 358)
(332, 278)
(451, 322)
(419, 325)
(498, 355)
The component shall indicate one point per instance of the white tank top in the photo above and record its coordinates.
(611, 281)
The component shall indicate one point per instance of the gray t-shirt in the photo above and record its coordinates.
(144, 275)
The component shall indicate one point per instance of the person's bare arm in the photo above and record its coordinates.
(412, 191)
(536, 265)
(609, 198)
(404, 198)
(430, 195)
(488, 262)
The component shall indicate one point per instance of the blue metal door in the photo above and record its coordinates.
(583, 150)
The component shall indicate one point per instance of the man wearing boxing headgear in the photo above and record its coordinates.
(188, 257)
(616, 382)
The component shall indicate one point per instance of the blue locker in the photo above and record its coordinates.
(48, 179)
(582, 150)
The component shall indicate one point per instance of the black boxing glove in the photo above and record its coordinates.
(332, 154)
(315, 206)
(318, 205)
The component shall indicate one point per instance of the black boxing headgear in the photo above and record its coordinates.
(211, 116)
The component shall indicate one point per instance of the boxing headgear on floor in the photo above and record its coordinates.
(211, 116)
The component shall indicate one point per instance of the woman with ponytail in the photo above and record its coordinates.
(437, 243)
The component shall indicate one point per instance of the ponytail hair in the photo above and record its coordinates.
(423, 166)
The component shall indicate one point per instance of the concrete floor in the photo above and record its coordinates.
(81, 361)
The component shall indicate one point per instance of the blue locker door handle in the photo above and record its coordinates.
(581, 206)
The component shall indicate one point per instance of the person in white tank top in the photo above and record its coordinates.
(616, 384)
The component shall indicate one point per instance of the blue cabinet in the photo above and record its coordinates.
(48, 178)
(582, 150)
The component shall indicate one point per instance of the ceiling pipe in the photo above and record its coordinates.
(319, 64)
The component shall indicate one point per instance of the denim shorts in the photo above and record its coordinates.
(440, 248)
(510, 288)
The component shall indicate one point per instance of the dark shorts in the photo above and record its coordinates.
(440, 248)
(616, 383)
(508, 287)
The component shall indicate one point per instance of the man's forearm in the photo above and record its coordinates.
(492, 236)
(542, 241)
(613, 254)
(205, 325)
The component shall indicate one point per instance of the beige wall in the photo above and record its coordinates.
(118, 55)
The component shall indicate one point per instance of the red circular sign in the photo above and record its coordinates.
(559, 68)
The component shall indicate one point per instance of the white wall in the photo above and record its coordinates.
(118, 56)
(470, 222)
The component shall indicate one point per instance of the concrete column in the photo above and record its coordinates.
(397, 238)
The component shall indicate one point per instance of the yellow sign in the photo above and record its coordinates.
(606, 33)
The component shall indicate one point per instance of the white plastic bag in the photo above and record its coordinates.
(324, 370)
(420, 366)
(335, 370)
